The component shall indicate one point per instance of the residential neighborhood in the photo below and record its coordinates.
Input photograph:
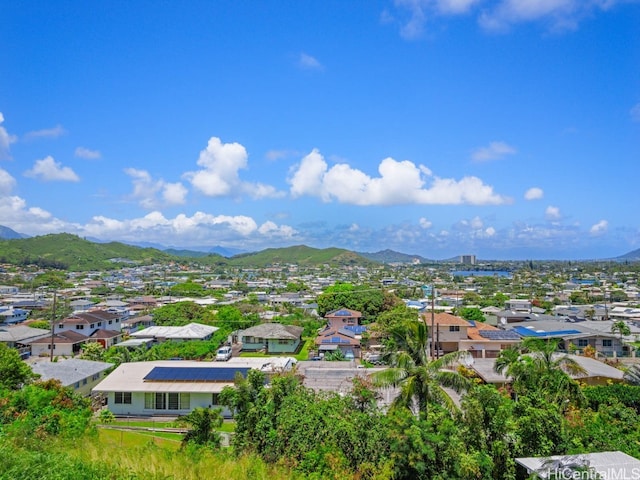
(137, 350)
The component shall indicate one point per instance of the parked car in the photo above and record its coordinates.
(223, 354)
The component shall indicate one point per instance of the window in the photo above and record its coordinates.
(167, 401)
(110, 322)
(607, 343)
(99, 324)
(215, 399)
(283, 341)
(84, 381)
(454, 328)
(79, 327)
(96, 376)
(123, 398)
(92, 326)
(583, 342)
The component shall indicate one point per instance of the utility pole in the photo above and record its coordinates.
(433, 321)
(53, 325)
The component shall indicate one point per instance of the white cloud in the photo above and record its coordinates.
(187, 230)
(5, 140)
(48, 170)
(399, 183)
(534, 193)
(146, 190)
(424, 223)
(86, 153)
(280, 154)
(599, 228)
(635, 113)
(552, 213)
(490, 231)
(494, 151)
(7, 182)
(174, 193)
(219, 177)
(559, 14)
(495, 15)
(307, 62)
(54, 132)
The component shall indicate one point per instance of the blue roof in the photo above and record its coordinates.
(335, 340)
(342, 313)
(529, 332)
(357, 329)
(194, 374)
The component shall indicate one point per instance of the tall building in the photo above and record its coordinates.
(468, 259)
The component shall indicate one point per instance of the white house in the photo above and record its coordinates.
(191, 331)
(175, 387)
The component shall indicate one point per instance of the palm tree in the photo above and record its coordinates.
(204, 424)
(536, 364)
(420, 379)
(621, 327)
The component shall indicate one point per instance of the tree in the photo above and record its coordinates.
(470, 313)
(621, 328)
(536, 365)
(421, 380)
(14, 373)
(93, 351)
(204, 424)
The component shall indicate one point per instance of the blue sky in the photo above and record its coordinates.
(508, 129)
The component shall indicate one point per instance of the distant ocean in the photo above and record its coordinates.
(482, 273)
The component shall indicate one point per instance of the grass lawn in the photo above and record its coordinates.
(302, 355)
(227, 426)
(138, 439)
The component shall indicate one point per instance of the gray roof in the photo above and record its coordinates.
(68, 371)
(273, 331)
(190, 331)
(594, 368)
(20, 333)
(606, 464)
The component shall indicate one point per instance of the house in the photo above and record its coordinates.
(67, 343)
(133, 324)
(271, 337)
(486, 341)
(19, 336)
(447, 330)
(80, 375)
(88, 322)
(191, 331)
(575, 335)
(332, 338)
(596, 372)
(605, 465)
(11, 315)
(175, 387)
(343, 317)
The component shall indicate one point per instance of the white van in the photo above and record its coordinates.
(224, 354)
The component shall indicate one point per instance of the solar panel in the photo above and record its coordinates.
(526, 332)
(194, 374)
(342, 313)
(499, 335)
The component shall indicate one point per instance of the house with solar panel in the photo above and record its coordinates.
(175, 387)
(575, 336)
(343, 332)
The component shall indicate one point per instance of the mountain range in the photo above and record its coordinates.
(70, 251)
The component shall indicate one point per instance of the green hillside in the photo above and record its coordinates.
(300, 255)
(71, 252)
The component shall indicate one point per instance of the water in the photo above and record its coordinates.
(482, 273)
